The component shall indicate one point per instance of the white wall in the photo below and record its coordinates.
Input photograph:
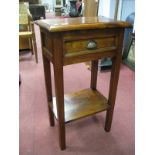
(128, 7)
(49, 2)
(104, 8)
(107, 8)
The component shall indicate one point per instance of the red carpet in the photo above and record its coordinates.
(85, 136)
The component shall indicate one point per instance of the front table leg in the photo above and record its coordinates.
(112, 91)
(59, 88)
(47, 74)
(116, 63)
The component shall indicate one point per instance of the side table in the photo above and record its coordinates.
(75, 40)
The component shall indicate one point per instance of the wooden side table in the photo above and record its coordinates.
(74, 40)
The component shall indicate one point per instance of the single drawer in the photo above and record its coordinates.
(89, 42)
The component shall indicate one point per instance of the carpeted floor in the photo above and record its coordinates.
(85, 136)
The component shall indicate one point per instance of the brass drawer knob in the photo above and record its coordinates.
(91, 45)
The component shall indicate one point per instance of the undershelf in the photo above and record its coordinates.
(82, 104)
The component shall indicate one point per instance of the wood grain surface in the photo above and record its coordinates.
(80, 23)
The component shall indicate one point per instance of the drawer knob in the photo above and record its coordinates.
(91, 45)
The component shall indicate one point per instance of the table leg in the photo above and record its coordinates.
(112, 93)
(47, 74)
(94, 69)
(59, 89)
(116, 63)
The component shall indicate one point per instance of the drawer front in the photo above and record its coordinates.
(89, 42)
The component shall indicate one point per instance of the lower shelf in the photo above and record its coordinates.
(81, 104)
